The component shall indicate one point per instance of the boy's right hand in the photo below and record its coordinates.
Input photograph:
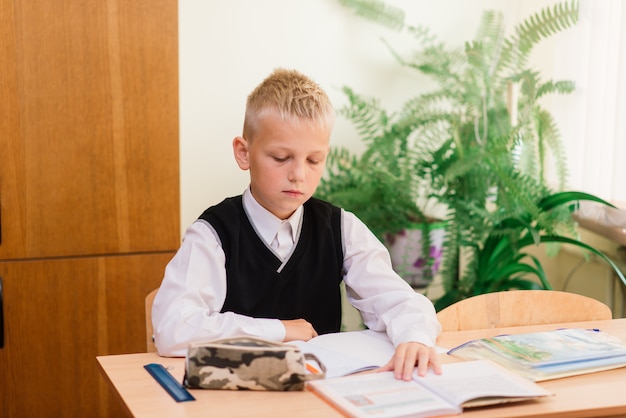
(298, 329)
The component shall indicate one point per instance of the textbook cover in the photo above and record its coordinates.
(549, 354)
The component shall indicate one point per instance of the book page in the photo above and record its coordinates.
(336, 363)
(479, 380)
(381, 395)
(369, 346)
(349, 352)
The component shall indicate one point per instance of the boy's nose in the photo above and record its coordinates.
(296, 173)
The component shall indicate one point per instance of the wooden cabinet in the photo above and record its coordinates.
(60, 314)
(89, 192)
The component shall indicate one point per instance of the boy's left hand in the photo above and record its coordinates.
(408, 355)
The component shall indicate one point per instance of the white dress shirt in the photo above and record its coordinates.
(188, 303)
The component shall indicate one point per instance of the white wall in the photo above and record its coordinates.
(228, 47)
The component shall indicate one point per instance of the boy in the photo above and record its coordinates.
(269, 263)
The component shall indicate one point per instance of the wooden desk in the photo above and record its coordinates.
(591, 395)
(144, 397)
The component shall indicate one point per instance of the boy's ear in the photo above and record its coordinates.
(240, 151)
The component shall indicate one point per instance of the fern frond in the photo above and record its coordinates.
(541, 25)
(423, 37)
(518, 195)
(527, 160)
(562, 87)
(450, 263)
(365, 114)
(378, 12)
(548, 133)
(340, 159)
(491, 36)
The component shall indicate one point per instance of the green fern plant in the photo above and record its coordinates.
(379, 185)
(478, 144)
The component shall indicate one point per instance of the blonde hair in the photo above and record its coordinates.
(295, 97)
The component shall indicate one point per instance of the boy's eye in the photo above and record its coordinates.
(311, 161)
(279, 159)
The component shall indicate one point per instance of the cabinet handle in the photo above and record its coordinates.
(1, 317)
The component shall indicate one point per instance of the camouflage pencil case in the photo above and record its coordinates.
(248, 363)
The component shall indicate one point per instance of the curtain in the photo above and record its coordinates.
(592, 120)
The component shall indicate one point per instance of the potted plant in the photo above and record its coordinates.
(478, 144)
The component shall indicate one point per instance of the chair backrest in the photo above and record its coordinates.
(521, 307)
(150, 347)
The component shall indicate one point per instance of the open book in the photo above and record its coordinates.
(463, 384)
(345, 353)
(549, 354)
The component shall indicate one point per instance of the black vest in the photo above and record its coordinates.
(308, 285)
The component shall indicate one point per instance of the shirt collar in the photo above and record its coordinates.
(264, 222)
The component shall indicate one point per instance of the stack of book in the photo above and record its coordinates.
(550, 354)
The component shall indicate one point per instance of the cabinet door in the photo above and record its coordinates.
(89, 127)
(58, 316)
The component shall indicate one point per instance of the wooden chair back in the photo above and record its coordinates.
(150, 347)
(521, 307)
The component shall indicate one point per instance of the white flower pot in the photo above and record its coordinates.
(405, 248)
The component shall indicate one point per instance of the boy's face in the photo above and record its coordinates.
(286, 162)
